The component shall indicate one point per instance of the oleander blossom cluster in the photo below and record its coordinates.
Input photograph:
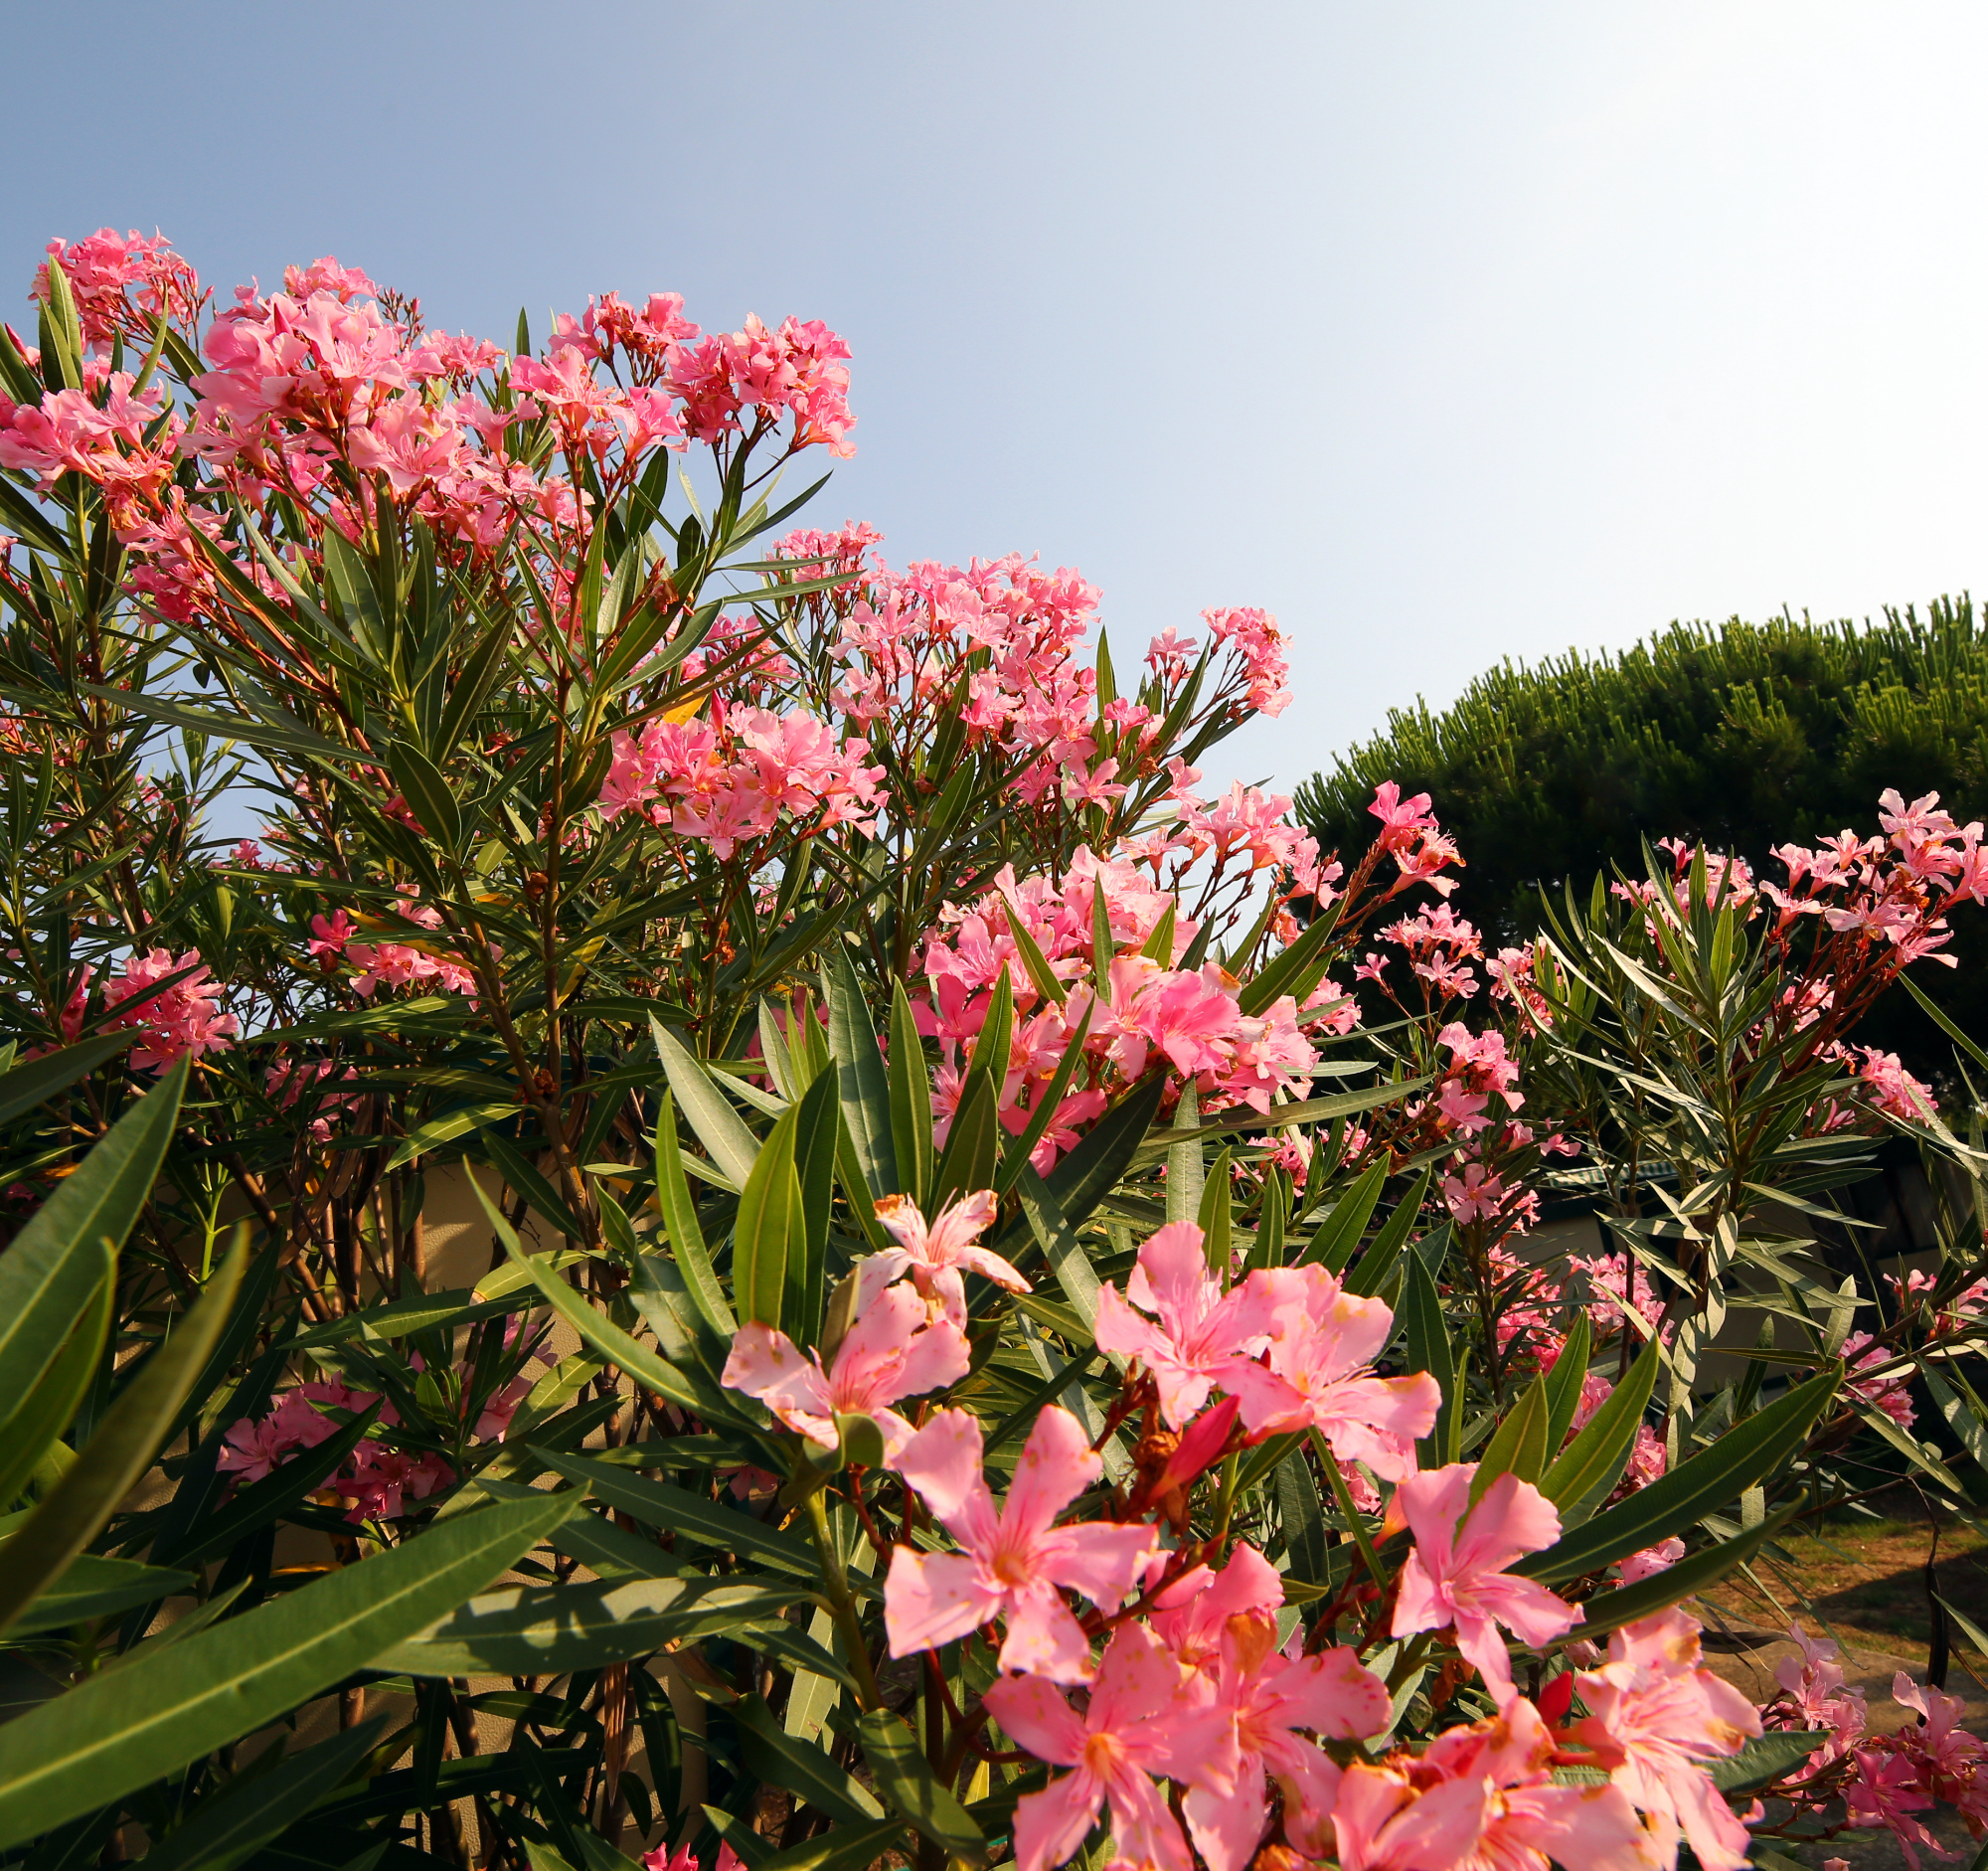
(331, 395)
(388, 1471)
(1151, 1672)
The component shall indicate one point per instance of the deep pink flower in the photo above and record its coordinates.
(180, 1019)
(1455, 1575)
(1015, 1559)
(895, 1349)
(1196, 1332)
(1139, 1723)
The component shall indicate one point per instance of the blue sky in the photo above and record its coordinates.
(1448, 332)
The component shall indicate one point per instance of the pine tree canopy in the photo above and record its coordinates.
(1743, 735)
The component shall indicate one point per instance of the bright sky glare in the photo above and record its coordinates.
(1448, 332)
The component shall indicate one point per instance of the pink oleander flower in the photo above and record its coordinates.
(1483, 1799)
(938, 1256)
(1655, 1716)
(1139, 1723)
(1816, 1694)
(1270, 1699)
(1456, 1576)
(1885, 1791)
(1322, 1343)
(1650, 1560)
(1016, 1557)
(181, 1019)
(1195, 1331)
(683, 1859)
(1192, 1612)
(1952, 1764)
(895, 1349)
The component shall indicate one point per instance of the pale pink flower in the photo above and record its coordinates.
(938, 1256)
(1269, 1699)
(1483, 1799)
(1322, 1342)
(1650, 1560)
(1016, 1557)
(1195, 1331)
(1655, 1716)
(1138, 1724)
(894, 1350)
(1455, 1576)
(1192, 1612)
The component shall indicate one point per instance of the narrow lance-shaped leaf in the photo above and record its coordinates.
(770, 1213)
(78, 1506)
(861, 1081)
(1707, 1482)
(910, 1101)
(66, 1252)
(119, 1731)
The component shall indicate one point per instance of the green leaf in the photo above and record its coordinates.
(1741, 1458)
(845, 1848)
(75, 1509)
(680, 1223)
(427, 793)
(910, 1101)
(1519, 1443)
(66, 1251)
(1304, 1518)
(450, 1124)
(518, 1170)
(1563, 1382)
(817, 1137)
(1216, 1218)
(547, 1629)
(800, 1768)
(257, 1806)
(1084, 1177)
(1277, 978)
(157, 1711)
(1034, 961)
(1428, 1349)
(861, 1079)
(29, 1435)
(906, 1780)
(1587, 1471)
(677, 1511)
(1062, 1249)
(646, 1367)
(769, 1217)
(96, 1587)
(973, 1145)
(1337, 1237)
(1375, 1266)
(28, 1087)
(1764, 1760)
(1698, 1571)
(719, 1128)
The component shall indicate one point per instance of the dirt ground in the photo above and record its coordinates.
(1863, 1583)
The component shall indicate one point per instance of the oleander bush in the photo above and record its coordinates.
(999, 1340)
(1741, 736)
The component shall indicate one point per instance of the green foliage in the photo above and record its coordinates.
(1740, 736)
